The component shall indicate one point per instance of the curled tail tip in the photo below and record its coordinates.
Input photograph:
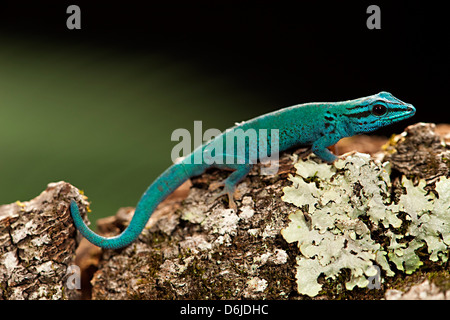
(73, 205)
(74, 210)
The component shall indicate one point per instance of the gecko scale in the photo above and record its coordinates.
(318, 125)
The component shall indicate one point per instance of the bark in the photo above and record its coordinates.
(421, 151)
(423, 291)
(37, 245)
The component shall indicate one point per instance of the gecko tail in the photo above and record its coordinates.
(144, 210)
(103, 242)
(162, 187)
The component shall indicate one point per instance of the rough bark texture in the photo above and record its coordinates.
(420, 151)
(422, 291)
(37, 245)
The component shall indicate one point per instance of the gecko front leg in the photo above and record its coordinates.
(319, 148)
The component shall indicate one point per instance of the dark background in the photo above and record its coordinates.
(112, 92)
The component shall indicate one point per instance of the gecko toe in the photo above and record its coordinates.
(230, 194)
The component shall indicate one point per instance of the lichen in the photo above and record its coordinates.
(430, 221)
(346, 213)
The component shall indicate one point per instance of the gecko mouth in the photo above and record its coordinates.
(409, 112)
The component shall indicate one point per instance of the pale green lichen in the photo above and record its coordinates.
(340, 204)
(430, 222)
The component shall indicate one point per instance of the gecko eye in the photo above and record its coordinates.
(379, 110)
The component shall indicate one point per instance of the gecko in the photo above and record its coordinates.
(316, 125)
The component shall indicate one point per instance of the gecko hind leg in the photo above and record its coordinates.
(230, 183)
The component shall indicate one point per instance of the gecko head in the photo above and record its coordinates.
(376, 111)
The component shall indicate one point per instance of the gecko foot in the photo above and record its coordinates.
(230, 194)
(216, 185)
(347, 154)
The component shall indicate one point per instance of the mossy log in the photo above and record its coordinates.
(194, 246)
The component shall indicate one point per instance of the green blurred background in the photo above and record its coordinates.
(96, 107)
(100, 120)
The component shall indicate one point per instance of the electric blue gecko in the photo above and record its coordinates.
(318, 125)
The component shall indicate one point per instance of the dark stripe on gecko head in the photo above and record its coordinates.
(329, 118)
(356, 107)
(359, 115)
(398, 109)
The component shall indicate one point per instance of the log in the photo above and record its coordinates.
(37, 246)
(196, 248)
